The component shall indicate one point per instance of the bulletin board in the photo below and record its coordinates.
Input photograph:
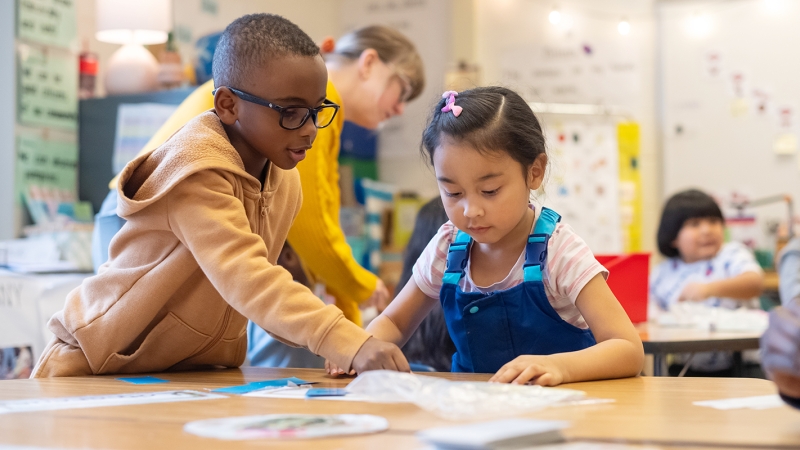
(730, 115)
(48, 87)
(47, 22)
(46, 163)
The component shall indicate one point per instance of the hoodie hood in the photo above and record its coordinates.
(151, 176)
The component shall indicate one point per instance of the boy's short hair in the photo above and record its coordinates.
(251, 41)
(685, 205)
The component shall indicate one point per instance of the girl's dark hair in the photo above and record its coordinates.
(684, 205)
(492, 119)
(430, 344)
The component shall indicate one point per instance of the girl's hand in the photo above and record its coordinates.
(694, 292)
(332, 369)
(541, 370)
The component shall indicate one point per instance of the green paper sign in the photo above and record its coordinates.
(48, 88)
(47, 164)
(47, 22)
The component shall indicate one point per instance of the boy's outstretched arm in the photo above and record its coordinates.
(211, 222)
(618, 353)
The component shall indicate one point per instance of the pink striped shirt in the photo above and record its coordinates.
(570, 265)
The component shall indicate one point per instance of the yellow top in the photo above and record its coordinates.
(316, 235)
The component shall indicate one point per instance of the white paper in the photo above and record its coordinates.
(757, 402)
(92, 401)
(136, 124)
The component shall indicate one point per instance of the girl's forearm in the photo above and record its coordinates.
(383, 328)
(741, 287)
(613, 358)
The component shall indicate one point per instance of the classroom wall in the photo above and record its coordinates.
(720, 130)
(196, 18)
(9, 214)
(517, 46)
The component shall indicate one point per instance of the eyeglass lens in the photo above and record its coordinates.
(295, 117)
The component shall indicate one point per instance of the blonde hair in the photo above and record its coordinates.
(392, 47)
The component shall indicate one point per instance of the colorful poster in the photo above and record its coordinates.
(48, 164)
(583, 181)
(47, 22)
(48, 88)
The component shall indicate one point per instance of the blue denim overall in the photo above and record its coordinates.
(489, 330)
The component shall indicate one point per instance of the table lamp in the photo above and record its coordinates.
(132, 69)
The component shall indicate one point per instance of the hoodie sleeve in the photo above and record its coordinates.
(212, 223)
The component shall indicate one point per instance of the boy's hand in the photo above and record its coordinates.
(694, 292)
(522, 369)
(379, 355)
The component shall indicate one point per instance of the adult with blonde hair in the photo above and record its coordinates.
(373, 72)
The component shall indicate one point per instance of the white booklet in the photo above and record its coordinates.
(499, 434)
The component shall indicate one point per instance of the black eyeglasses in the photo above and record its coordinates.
(293, 117)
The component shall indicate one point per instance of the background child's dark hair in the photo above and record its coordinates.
(493, 119)
(684, 205)
(251, 41)
(430, 344)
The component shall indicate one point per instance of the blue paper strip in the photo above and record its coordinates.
(143, 380)
(256, 385)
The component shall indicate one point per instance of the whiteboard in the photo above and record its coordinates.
(587, 63)
(722, 96)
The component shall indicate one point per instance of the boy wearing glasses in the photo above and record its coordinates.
(207, 214)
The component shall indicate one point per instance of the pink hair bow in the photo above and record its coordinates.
(451, 103)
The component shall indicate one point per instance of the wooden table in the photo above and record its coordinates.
(647, 411)
(661, 341)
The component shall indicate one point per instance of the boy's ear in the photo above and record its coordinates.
(536, 172)
(366, 62)
(226, 104)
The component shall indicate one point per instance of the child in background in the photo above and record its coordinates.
(522, 294)
(207, 214)
(430, 345)
(701, 268)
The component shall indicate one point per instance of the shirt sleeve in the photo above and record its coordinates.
(789, 271)
(570, 263)
(429, 269)
(740, 259)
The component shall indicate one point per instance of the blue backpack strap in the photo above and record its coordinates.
(457, 257)
(536, 249)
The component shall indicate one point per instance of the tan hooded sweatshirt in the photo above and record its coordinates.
(194, 261)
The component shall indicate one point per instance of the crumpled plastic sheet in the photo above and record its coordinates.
(460, 400)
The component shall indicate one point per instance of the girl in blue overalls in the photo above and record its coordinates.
(523, 296)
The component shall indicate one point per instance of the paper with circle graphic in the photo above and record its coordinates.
(287, 426)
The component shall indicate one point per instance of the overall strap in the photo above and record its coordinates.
(536, 249)
(457, 257)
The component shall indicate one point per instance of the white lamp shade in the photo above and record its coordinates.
(144, 22)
